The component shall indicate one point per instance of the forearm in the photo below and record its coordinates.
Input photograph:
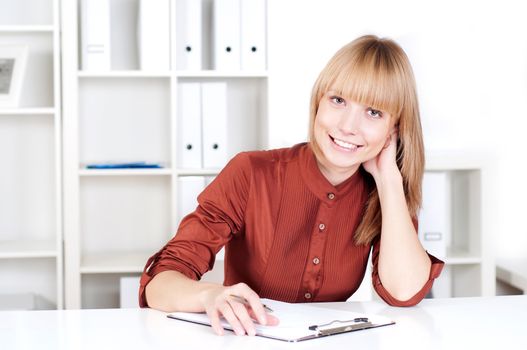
(403, 265)
(172, 291)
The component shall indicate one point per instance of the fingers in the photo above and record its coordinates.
(234, 319)
(215, 322)
(271, 320)
(242, 290)
(238, 305)
(244, 320)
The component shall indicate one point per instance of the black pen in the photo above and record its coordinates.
(246, 303)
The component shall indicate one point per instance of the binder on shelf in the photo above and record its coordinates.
(95, 35)
(226, 34)
(214, 119)
(188, 35)
(128, 287)
(253, 29)
(299, 322)
(189, 187)
(154, 35)
(434, 218)
(189, 141)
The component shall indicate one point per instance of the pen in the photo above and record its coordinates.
(246, 303)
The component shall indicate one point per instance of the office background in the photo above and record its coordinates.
(470, 63)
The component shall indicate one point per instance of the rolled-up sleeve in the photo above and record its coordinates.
(435, 271)
(202, 233)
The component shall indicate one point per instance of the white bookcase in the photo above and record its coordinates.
(469, 261)
(115, 219)
(31, 259)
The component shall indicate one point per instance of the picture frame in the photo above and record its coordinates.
(13, 60)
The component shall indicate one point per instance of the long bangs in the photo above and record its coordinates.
(371, 77)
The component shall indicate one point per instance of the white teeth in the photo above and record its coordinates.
(345, 144)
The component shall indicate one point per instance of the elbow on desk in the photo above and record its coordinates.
(403, 297)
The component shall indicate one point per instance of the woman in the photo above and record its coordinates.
(298, 223)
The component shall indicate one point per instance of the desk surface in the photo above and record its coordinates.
(460, 323)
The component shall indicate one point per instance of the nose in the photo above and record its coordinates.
(349, 122)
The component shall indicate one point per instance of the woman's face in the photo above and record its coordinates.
(348, 134)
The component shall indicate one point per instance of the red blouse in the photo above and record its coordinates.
(287, 231)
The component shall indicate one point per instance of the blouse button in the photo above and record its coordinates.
(321, 227)
(331, 196)
(316, 261)
(307, 295)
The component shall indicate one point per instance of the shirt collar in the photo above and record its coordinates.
(317, 182)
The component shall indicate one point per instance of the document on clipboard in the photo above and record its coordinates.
(299, 322)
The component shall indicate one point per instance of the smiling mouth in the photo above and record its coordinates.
(344, 144)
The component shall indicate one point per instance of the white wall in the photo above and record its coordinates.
(470, 62)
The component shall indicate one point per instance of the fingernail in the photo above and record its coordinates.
(239, 331)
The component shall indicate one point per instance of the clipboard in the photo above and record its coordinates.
(299, 322)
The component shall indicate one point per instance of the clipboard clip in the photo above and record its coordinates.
(346, 326)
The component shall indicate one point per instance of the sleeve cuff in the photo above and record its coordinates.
(153, 267)
(435, 271)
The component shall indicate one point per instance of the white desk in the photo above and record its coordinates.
(462, 323)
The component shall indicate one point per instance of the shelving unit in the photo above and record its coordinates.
(469, 261)
(115, 219)
(31, 259)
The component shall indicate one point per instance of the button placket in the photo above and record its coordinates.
(311, 282)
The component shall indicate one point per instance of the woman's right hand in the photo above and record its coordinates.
(225, 302)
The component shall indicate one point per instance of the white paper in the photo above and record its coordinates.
(295, 319)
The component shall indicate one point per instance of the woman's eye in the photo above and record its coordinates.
(374, 113)
(338, 100)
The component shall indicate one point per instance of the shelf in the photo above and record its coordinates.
(114, 262)
(123, 74)
(179, 74)
(28, 249)
(26, 29)
(459, 257)
(197, 172)
(27, 111)
(221, 74)
(452, 160)
(125, 172)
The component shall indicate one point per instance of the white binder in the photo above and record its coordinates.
(253, 29)
(214, 118)
(154, 35)
(434, 218)
(188, 35)
(128, 287)
(95, 35)
(189, 187)
(226, 34)
(189, 142)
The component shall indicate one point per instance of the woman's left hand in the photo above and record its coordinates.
(385, 162)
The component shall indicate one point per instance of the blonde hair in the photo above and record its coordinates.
(376, 72)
